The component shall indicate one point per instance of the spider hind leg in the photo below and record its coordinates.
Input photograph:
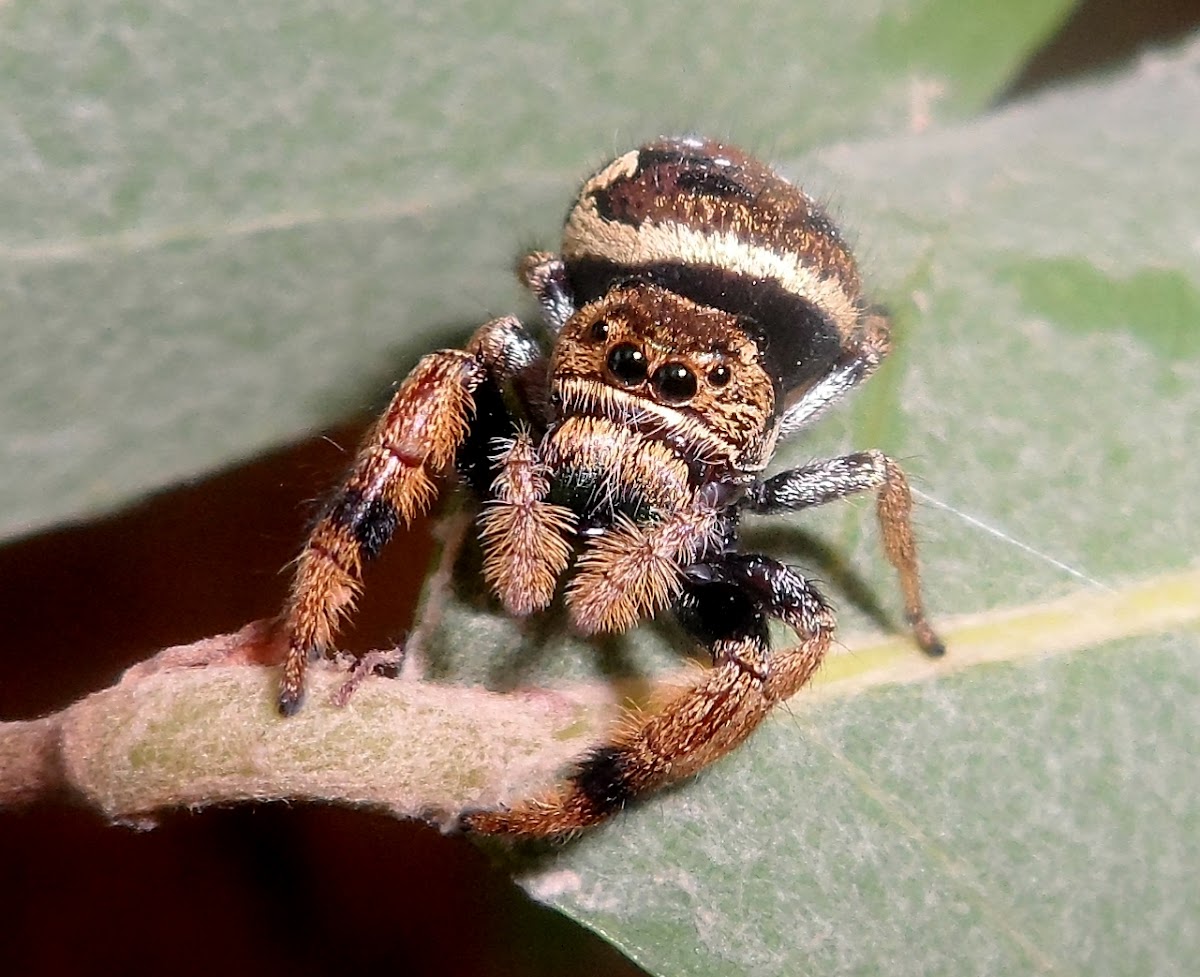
(724, 605)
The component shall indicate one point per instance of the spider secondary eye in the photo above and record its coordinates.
(600, 330)
(718, 376)
(674, 382)
(627, 363)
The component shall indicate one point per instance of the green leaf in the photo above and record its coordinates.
(227, 227)
(1031, 815)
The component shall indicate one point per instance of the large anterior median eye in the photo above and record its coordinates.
(627, 363)
(674, 383)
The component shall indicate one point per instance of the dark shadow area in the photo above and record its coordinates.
(1103, 35)
(293, 891)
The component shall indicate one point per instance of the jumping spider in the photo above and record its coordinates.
(701, 308)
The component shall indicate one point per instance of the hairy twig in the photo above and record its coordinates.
(196, 725)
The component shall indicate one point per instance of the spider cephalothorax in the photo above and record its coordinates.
(701, 308)
(656, 360)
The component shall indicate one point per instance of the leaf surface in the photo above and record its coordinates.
(225, 228)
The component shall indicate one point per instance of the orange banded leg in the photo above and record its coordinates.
(726, 608)
(894, 506)
(391, 481)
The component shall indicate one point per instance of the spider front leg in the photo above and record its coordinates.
(545, 275)
(857, 363)
(392, 480)
(826, 481)
(724, 604)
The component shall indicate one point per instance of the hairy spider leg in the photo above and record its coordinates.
(724, 604)
(825, 481)
(392, 480)
(855, 366)
(525, 548)
(545, 275)
(632, 571)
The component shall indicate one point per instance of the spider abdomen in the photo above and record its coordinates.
(716, 226)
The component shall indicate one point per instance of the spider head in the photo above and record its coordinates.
(642, 354)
